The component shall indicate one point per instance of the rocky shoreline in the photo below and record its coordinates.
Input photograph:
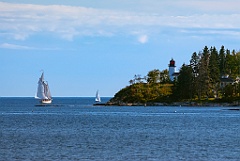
(180, 104)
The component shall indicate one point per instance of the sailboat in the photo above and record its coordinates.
(43, 91)
(97, 99)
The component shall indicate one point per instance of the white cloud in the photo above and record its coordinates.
(13, 46)
(20, 21)
(23, 47)
(213, 6)
(187, 7)
(143, 39)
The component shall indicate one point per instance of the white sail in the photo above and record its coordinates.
(97, 99)
(47, 91)
(43, 91)
(40, 90)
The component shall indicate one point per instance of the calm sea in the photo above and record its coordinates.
(73, 129)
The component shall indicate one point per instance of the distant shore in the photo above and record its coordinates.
(181, 104)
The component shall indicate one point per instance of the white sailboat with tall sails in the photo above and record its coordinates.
(43, 91)
(97, 99)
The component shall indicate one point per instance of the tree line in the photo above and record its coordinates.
(210, 75)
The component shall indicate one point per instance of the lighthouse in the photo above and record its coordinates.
(171, 70)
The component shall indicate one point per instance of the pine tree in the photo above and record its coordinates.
(222, 59)
(194, 63)
(228, 63)
(203, 79)
(214, 72)
(184, 82)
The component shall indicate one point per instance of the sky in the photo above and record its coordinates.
(88, 45)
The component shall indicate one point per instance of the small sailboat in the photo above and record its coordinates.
(97, 99)
(43, 91)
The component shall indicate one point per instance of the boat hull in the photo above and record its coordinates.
(46, 101)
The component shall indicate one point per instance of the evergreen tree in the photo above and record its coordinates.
(184, 82)
(235, 64)
(222, 59)
(229, 63)
(232, 64)
(194, 63)
(214, 71)
(203, 79)
(238, 64)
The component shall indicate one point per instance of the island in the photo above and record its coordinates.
(210, 79)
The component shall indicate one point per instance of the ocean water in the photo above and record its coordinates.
(73, 129)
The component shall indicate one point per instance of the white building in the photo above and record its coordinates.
(172, 70)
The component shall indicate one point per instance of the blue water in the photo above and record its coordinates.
(73, 129)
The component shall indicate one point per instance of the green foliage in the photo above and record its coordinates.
(184, 83)
(153, 76)
(222, 60)
(154, 89)
(200, 79)
(214, 72)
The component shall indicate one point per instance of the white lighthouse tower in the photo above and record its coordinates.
(171, 70)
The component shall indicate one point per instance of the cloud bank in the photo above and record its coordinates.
(21, 21)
